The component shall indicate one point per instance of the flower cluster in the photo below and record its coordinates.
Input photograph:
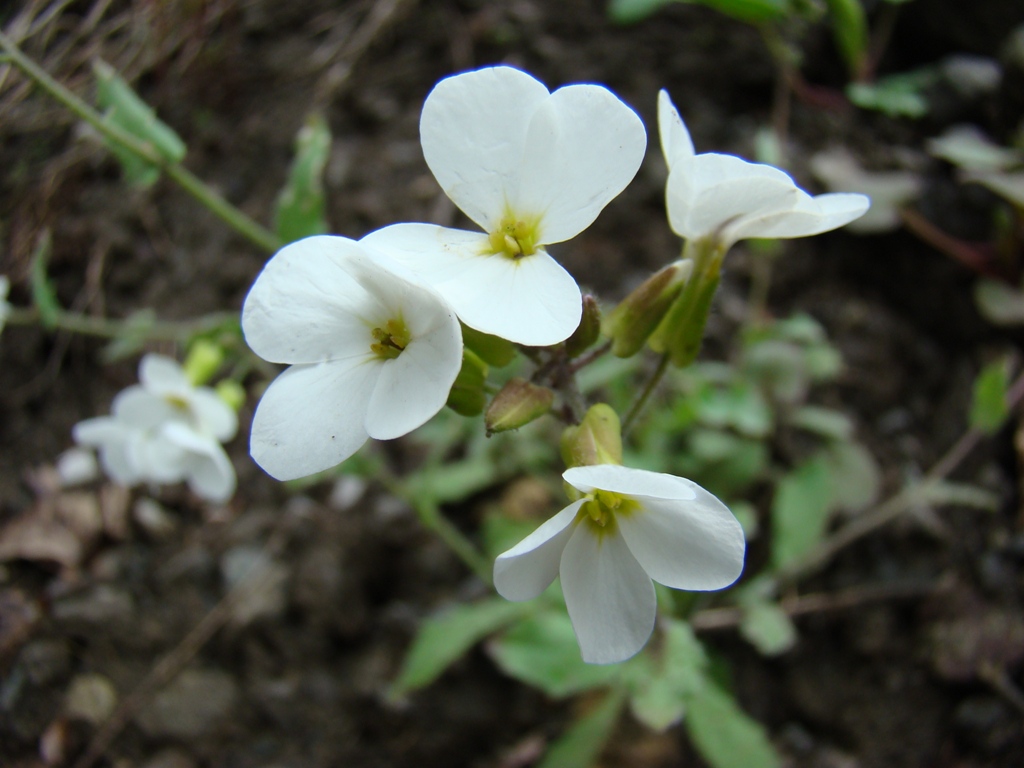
(165, 430)
(371, 328)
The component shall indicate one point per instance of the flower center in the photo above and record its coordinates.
(514, 238)
(601, 507)
(391, 340)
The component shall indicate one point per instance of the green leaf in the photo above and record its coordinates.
(989, 404)
(854, 476)
(542, 651)
(300, 205)
(467, 396)
(825, 422)
(632, 11)
(767, 627)
(134, 335)
(43, 294)
(453, 482)
(724, 735)
(959, 494)
(850, 27)
(661, 687)
(749, 11)
(896, 95)
(494, 351)
(125, 110)
(800, 510)
(444, 638)
(741, 406)
(580, 746)
(1000, 303)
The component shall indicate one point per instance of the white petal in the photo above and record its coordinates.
(473, 131)
(532, 300)
(110, 438)
(695, 545)
(527, 569)
(812, 216)
(629, 481)
(718, 190)
(207, 468)
(312, 418)
(415, 385)
(156, 458)
(583, 148)
(609, 596)
(138, 407)
(676, 144)
(163, 376)
(306, 307)
(213, 414)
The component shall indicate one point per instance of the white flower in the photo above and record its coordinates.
(165, 430)
(630, 527)
(530, 167)
(5, 308)
(728, 199)
(373, 353)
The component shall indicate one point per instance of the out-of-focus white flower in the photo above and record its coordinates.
(5, 308)
(630, 527)
(889, 191)
(76, 466)
(165, 430)
(373, 353)
(728, 199)
(530, 167)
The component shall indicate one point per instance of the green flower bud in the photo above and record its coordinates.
(589, 329)
(203, 359)
(493, 350)
(231, 392)
(518, 403)
(631, 323)
(596, 440)
(467, 396)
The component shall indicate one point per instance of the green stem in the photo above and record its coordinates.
(220, 207)
(106, 328)
(652, 383)
(433, 519)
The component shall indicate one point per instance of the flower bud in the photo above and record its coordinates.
(518, 403)
(596, 440)
(231, 392)
(493, 350)
(589, 329)
(631, 323)
(203, 359)
(467, 396)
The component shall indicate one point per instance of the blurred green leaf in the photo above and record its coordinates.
(749, 11)
(989, 404)
(500, 532)
(134, 336)
(895, 96)
(444, 638)
(825, 422)
(455, 481)
(800, 510)
(724, 462)
(741, 406)
(724, 735)
(850, 27)
(125, 110)
(632, 11)
(662, 686)
(960, 494)
(542, 651)
(854, 476)
(767, 627)
(1000, 303)
(580, 746)
(43, 294)
(467, 396)
(300, 205)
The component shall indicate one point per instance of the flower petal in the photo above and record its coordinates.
(415, 385)
(140, 408)
(811, 216)
(531, 300)
(110, 438)
(305, 306)
(213, 414)
(630, 481)
(676, 144)
(208, 469)
(473, 131)
(609, 596)
(163, 376)
(696, 544)
(312, 418)
(527, 569)
(583, 147)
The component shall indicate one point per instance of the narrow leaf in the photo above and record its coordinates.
(726, 736)
(580, 746)
(300, 205)
(800, 511)
(989, 405)
(43, 294)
